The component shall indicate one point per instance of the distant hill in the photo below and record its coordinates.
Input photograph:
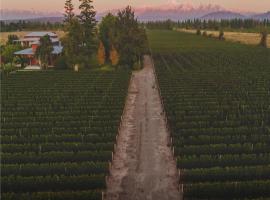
(262, 16)
(223, 15)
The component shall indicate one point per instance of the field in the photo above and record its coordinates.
(58, 131)
(245, 38)
(216, 96)
(20, 34)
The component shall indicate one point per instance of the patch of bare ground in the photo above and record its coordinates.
(143, 167)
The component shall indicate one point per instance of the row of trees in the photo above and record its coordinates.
(210, 24)
(120, 39)
(29, 26)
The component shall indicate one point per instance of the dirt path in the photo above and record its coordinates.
(143, 166)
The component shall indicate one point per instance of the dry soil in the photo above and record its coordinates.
(143, 167)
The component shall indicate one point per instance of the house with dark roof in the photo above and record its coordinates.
(32, 40)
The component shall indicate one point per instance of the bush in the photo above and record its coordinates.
(221, 35)
(61, 63)
(263, 41)
(7, 68)
(205, 33)
(198, 32)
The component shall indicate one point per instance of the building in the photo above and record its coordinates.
(31, 42)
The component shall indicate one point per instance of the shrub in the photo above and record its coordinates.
(221, 35)
(7, 68)
(198, 32)
(263, 41)
(205, 33)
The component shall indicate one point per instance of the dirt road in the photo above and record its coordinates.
(143, 166)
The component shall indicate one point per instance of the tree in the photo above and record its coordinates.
(44, 50)
(73, 43)
(107, 33)
(114, 56)
(8, 51)
(101, 54)
(221, 35)
(131, 39)
(88, 23)
(11, 39)
(263, 41)
(69, 11)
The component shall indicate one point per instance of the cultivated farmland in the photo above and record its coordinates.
(58, 131)
(245, 38)
(217, 99)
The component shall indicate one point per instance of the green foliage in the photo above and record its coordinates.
(216, 99)
(7, 52)
(44, 51)
(7, 68)
(107, 33)
(88, 23)
(131, 38)
(56, 143)
(80, 40)
(69, 11)
(73, 43)
(11, 39)
(245, 25)
(198, 32)
(22, 25)
(161, 25)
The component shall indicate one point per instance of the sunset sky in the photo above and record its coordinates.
(101, 5)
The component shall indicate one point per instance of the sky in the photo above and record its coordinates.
(102, 5)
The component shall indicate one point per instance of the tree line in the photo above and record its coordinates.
(116, 40)
(23, 25)
(249, 24)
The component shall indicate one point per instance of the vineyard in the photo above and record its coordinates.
(58, 131)
(216, 96)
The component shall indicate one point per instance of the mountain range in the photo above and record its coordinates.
(176, 12)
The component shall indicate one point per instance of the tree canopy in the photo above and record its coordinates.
(44, 51)
(123, 36)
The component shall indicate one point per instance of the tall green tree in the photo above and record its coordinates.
(69, 11)
(131, 38)
(44, 51)
(73, 39)
(88, 23)
(72, 43)
(107, 33)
